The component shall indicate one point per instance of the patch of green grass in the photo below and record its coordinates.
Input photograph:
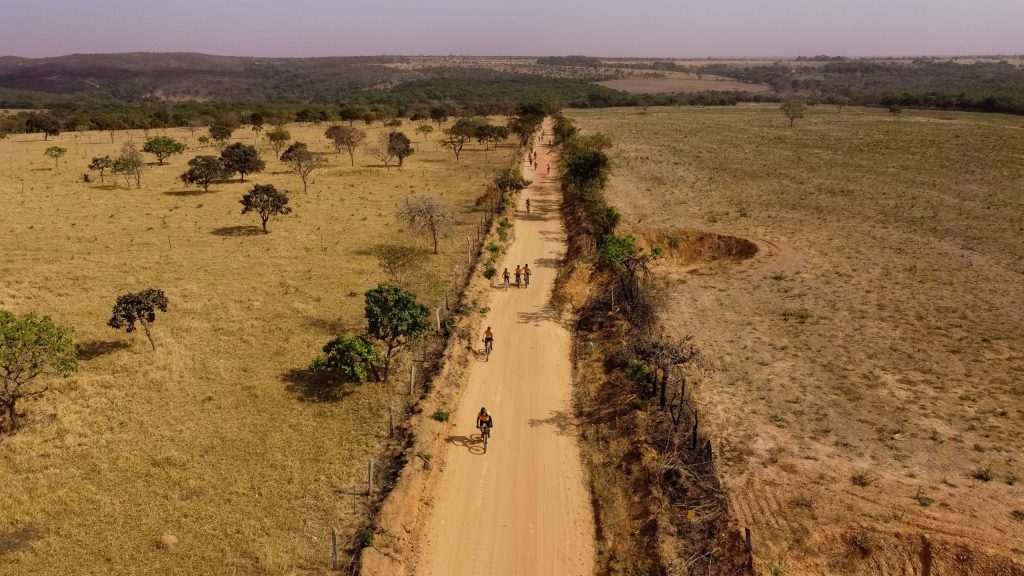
(441, 415)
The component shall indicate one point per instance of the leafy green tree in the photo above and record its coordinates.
(138, 307)
(347, 358)
(56, 152)
(265, 200)
(394, 318)
(511, 180)
(347, 137)
(458, 134)
(42, 122)
(129, 164)
(303, 161)
(101, 164)
(31, 347)
(400, 146)
(163, 147)
(278, 137)
(256, 120)
(426, 130)
(793, 108)
(203, 171)
(441, 113)
(243, 159)
(621, 256)
(221, 133)
(895, 110)
(526, 120)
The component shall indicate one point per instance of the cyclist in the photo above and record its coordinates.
(488, 339)
(484, 419)
(527, 205)
(526, 274)
(504, 277)
(519, 274)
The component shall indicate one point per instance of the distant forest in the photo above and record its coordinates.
(143, 90)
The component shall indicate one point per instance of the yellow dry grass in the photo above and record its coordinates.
(210, 438)
(867, 369)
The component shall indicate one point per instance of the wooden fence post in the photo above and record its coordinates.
(334, 548)
(391, 421)
(412, 378)
(437, 314)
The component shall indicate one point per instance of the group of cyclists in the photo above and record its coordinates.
(522, 275)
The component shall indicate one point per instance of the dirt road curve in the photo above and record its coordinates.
(523, 507)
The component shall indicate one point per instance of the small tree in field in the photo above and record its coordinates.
(348, 359)
(101, 164)
(644, 102)
(895, 110)
(256, 119)
(163, 147)
(400, 146)
(792, 109)
(31, 347)
(278, 137)
(243, 159)
(426, 130)
(425, 215)
(138, 307)
(347, 137)
(510, 181)
(203, 171)
(395, 318)
(266, 201)
(221, 133)
(56, 152)
(129, 164)
(456, 137)
(398, 262)
(303, 161)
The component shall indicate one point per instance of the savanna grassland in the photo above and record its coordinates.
(215, 437)
(865, 388)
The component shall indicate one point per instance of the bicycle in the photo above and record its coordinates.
(526, 280)
(488, 348)
(485, 435)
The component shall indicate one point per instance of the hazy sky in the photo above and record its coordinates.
(682, 28)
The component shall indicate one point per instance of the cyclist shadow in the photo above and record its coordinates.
(480, 355)
(474, 443)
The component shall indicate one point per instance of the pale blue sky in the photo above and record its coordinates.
(681, 28)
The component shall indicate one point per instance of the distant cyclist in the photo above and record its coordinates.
(484, 419)
(519, 275)
(505, 277)
(488, 342)
(526, 274)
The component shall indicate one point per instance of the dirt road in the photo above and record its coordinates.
(523, 507)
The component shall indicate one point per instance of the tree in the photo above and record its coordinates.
(348, 358)
(278, 137)
(163, 147)
(398, 262)
(895, 110)
(644, 101)
(663, 353)
(138, 307)
(266, 201)
(256, 120)
(526, 120)
(243, 159)
(395, 318)
(56, 152)
(101, 164)
(511, 180)
(203, 171)
(347, 137)
(622, 257)
(129, 164)
(302, 161)
(425, 215)
(793, 108)
(400, 146)
(31, 347)
(441, 112)
(221, 133)
(425, 130)
(461, 132)
(42, 122)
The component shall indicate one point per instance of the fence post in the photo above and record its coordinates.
(391, 421)
(446, 308)
(334, 548)
(437, 314)
(412, 378)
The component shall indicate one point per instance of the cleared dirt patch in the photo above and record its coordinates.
(690, 247)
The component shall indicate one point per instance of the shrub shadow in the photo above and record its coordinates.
(93, 349)
(199, 192)
(311, 388)
(238, 231)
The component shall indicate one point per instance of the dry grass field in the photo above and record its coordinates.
(866, 390)
(211, 438)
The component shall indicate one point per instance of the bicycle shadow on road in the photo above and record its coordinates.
(474, 444)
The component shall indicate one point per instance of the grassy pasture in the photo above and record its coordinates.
(866, 365)
(212, 438)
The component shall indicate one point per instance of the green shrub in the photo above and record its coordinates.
(366, 536)
(441, 415)
(490, 271)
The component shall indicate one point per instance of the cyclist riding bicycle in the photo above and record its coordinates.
(519, 275)
(526, 274)
(504, 277)
(488, 339)
(484, 419)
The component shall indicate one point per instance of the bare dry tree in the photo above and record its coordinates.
(425, 215)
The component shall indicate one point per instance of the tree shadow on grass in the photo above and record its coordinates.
(312, 388)
(95, 348)
(238, 231)
(199, 192)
